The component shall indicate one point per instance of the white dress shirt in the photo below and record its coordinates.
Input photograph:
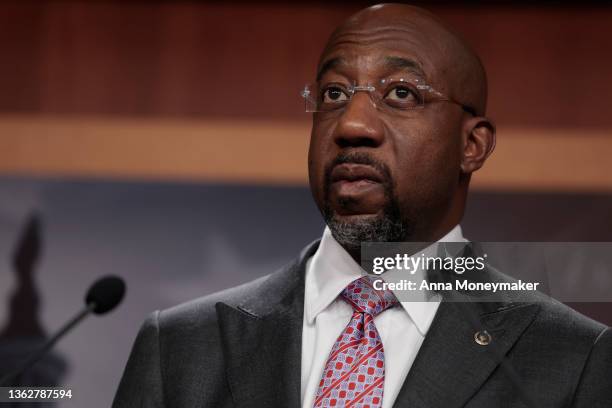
(401, 329)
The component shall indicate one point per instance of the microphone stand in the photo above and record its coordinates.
(34, 358)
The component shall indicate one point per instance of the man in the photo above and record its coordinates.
(398, 129)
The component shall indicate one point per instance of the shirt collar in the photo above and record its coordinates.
(331, 269)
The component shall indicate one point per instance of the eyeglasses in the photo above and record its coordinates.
(391, 95)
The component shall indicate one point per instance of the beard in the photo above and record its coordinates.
(389, 226)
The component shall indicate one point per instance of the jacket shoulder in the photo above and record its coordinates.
(553, 314)
(201, 312)
(255, 295)
(557, 316)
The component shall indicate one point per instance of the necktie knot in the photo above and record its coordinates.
(365, 299)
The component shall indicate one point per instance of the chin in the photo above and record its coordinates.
(352, 229)
(357, 218)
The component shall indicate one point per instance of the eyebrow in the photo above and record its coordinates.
(401, 63)
(391, 63)
(329, 65)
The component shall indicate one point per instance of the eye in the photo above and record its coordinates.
(402, 94)
(334, 94)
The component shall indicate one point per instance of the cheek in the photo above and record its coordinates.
(316, 164)
(428, 164)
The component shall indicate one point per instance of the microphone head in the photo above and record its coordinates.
(105, 294)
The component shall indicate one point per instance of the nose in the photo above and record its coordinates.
(359, 124)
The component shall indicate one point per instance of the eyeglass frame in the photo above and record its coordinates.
(372, 90)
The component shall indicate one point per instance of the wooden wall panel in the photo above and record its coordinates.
(20, 57)
(548, 66)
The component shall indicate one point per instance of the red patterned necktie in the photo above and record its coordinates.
(355, 371)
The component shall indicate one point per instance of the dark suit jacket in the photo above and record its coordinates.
(242, 348)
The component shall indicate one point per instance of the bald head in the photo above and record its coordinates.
(398, 129)
(447, 61)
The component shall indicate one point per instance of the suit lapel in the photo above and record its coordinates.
(261, 339)
(451, 366)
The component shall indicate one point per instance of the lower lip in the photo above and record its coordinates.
(354, 187)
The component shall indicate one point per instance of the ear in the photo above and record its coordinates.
(478, 143)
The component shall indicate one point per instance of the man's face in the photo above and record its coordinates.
(379, 174)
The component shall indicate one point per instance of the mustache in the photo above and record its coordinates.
(358, 158)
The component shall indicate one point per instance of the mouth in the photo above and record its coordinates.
(361, 174)
(357, 189)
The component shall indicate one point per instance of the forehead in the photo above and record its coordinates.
(372, 51)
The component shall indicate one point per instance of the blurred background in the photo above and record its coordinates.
(166, 142)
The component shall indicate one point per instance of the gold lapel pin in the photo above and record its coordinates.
(483, 338)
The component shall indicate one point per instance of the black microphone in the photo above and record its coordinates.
(105, 294)
(102, 297)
